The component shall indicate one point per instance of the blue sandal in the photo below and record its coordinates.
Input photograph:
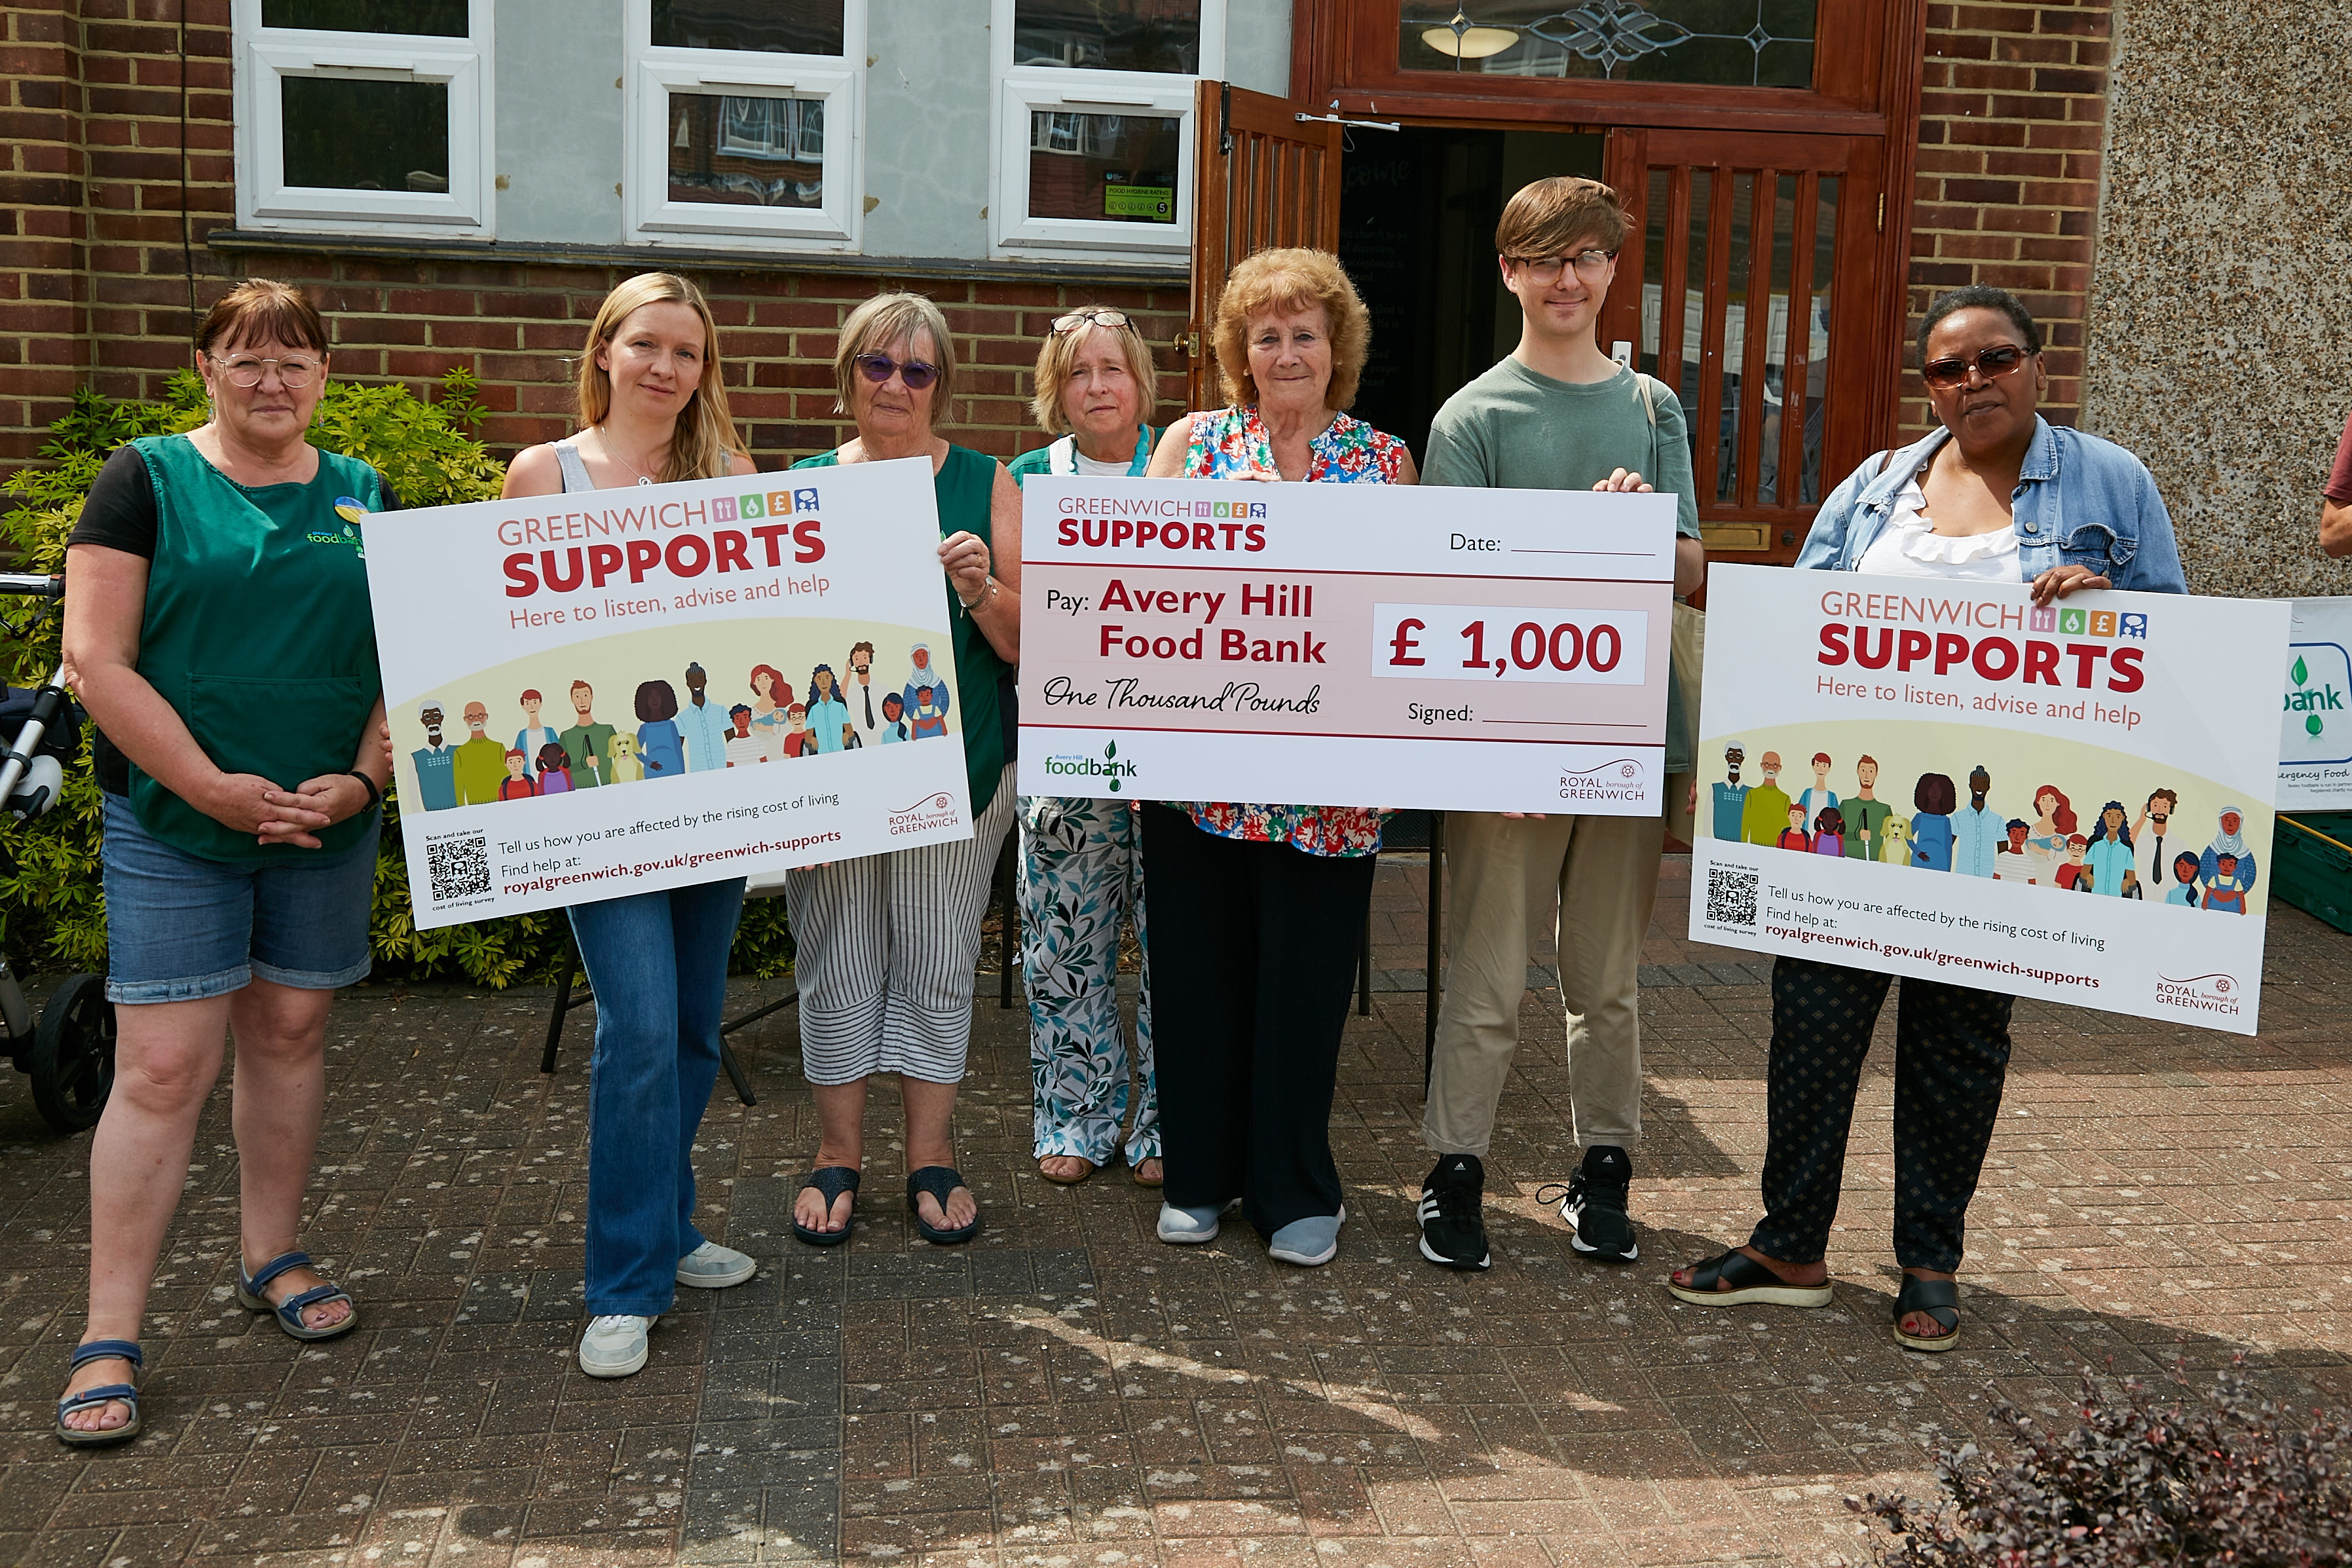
(938, 1181)
(288, 1313)
(101, 1350)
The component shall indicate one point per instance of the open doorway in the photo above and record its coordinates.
(1417, 215)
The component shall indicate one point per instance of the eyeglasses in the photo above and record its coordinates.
(1076, 319)
(1545, 271)
(914, 372)
(2000, 360)
(246, 370)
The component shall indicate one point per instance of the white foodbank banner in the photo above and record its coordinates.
(1345, 644)
(625, 691)
(2073, 803)
(2316, 727)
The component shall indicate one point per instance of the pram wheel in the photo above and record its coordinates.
(72, 1061)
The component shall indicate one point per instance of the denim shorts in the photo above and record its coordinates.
(180, 928)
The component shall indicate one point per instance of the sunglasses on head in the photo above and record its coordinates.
(1076, 319)
(1998, 361)
(913, 372)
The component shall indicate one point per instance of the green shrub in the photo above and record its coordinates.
(52, 911)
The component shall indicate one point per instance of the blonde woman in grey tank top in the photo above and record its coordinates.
(653, 409)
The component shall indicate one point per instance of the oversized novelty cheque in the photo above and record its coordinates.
(622, 690)
(1939, 779)
(2315, 728)
(1345, 644)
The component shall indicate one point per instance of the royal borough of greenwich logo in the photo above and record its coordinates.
(2217, 995)
(934, 810)
(1620, 778)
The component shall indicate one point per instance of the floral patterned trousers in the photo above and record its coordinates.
(1081, 871)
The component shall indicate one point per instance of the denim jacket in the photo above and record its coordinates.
(2079, 501)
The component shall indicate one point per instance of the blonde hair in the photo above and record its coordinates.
(1283, 280)
(703, 437)
(1058, 353)
(884, 320)
(1548, 216)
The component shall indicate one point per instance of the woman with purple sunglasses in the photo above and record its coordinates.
(902, 1004)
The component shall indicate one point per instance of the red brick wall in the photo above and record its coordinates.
(98, 273)
(2013, 107)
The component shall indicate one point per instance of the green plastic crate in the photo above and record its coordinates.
(2311, 856)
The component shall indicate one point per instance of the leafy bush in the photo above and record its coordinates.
(2218, 1478)
(52, 909)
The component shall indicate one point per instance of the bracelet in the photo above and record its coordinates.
(375, 795)
(987, 594)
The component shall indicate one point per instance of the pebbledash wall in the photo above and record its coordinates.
(2135, 174)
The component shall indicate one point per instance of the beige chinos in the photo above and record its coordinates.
(1509, 881)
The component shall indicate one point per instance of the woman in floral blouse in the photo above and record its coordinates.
(1258, 910)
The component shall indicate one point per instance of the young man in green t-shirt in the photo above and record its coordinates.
(1559, 414)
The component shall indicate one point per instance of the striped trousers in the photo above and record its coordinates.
(884, 947)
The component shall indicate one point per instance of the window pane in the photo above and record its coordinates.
(432, 18)
(1735, 337)
(1817, 326)
(746, 151)
(1769, 478)
(1108, 35)
(1731, 43)
(1122, 167)
(348, 135)
(773, 27)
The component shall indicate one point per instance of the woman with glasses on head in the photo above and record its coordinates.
(887, 942)
(1997, 495)
(1082, 861)
(217, 591)
(653, 409)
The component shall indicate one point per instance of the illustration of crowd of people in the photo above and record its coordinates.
(2125, 853)
(239, 851)
(670, 741)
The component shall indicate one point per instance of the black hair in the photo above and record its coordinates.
(1935, 796)
(1831, 820)
(1979, 296)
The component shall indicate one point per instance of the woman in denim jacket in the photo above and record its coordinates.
(1998, 495)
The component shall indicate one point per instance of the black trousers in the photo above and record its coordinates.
(1951, 1046)
(1254, 952)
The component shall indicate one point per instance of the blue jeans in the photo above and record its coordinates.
(658, 964)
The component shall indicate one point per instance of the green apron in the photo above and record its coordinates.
(965, 485)
(258, 634)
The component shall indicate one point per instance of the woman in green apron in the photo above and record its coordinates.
(885, 944)
(1082, 861)
(220, 630)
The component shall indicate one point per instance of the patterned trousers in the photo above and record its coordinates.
(1082, 873)
(1951, 1046)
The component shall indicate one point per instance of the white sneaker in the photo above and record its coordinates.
(712, 1267)
(615, 1346)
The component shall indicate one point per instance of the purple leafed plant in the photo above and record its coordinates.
(2196, 1478)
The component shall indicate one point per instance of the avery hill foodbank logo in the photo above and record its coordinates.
(1107, 767)
(2215, 993)
(2311, 701)
(932, 811)
(1620, 778)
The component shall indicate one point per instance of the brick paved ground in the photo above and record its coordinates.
(1067, 1392)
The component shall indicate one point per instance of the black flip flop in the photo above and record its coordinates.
(938, 1181)
(830, 1181)
(1937, 1297)
(1750, 1280)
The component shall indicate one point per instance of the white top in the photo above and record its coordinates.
(1909, 547)
(1100, 470)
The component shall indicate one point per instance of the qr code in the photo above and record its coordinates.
(1730, 896)
(460, 867)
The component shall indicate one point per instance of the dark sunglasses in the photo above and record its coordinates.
(1077, 319)
(914, 372)
(1991, 363)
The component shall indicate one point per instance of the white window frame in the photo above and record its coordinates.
(1049, 89)
(834, 80)
(265, 55)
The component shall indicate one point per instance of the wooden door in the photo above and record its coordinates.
(1265, 174)
(1755, 262)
